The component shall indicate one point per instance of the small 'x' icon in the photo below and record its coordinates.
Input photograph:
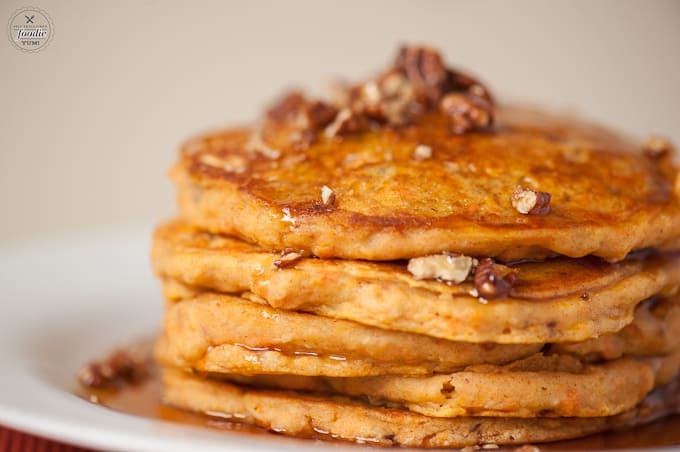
(29, 20)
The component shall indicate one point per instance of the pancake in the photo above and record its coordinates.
(467, 193)
(558, 300)
(222, 333)
(333, 417)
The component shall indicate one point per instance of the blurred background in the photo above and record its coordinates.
(91, 123)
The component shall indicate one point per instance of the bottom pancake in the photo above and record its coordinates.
(296, 414)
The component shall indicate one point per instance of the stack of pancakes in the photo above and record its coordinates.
(411, 265)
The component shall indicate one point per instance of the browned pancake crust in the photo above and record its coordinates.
(296, 414)
(607, 198)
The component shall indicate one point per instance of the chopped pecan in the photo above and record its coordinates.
(318, 115)
(394, 84)
(453, 268)
(422, 152)
(417, 82)
(398, 100)
(120, 367)
(346, 121)
(530, 202)
(95, 375)
(287, 107)
(460, 81)
(493, 280)
(306, 117)
(657, 147)
(288, 259)
(389, 100)
(466, 112)
(370, 95)
(327, 196)
(425, 69)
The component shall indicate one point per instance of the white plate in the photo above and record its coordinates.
(67, 301)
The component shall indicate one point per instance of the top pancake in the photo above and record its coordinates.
(607, 197)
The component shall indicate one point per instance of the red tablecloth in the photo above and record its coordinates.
(15, 441)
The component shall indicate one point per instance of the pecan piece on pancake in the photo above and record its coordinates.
(286, 109)
(388, 101)
(327, 196)
(530, 202)
(466, 112)
(346, 122)
(453, 268)
(288, 259)
(422, 152)
(657, 148)
(424, 68)
(493, 280)
(459, 81)
(317, 115)
(302, 113)
(305, 117)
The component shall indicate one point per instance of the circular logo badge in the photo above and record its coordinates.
(30, 29)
